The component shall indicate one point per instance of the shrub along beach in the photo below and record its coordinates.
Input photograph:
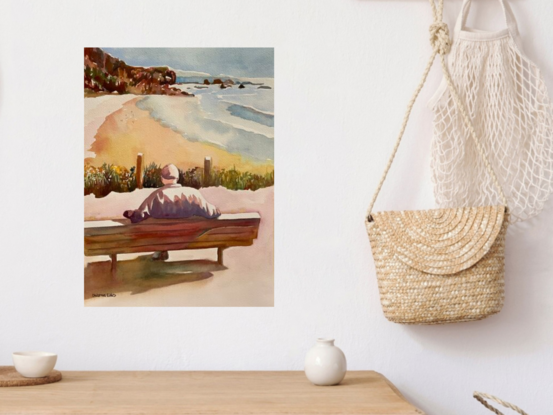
(100, 181)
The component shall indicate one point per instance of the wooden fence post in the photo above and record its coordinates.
(207, 170)
(138, 172)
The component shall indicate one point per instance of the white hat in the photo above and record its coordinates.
(170, 172)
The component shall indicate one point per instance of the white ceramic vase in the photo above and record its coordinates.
(325, 364)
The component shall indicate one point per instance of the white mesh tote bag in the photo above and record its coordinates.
(508, 104)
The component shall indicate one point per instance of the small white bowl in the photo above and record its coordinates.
(34, 364)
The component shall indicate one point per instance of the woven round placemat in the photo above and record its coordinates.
(10, 377)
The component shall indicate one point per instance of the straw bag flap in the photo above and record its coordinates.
(439, 241)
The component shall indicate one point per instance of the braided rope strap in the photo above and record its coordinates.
(481, 397)
(441, 45)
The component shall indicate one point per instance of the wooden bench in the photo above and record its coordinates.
(120, 236)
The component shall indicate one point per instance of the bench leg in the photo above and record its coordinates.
(220, 255)
(113, 266)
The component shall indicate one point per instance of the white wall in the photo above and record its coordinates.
(344, 72)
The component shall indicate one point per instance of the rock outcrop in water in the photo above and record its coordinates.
(104, 73)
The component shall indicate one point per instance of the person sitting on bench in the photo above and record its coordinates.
(172, 201)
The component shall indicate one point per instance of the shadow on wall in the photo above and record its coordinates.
(143, 274)
(524, 323)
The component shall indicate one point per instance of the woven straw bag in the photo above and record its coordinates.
(443, 265)
(482, 397)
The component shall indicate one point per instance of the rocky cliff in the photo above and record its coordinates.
(104, 73)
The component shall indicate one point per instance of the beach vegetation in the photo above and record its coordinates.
(108, 178)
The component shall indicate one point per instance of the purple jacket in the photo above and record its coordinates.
(173, 201)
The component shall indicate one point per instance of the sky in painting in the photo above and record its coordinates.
(241, 62)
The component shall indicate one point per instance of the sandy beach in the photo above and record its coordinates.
(190, 278)
(96, 111)
(128, 130)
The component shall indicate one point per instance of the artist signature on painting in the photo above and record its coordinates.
(104, 295)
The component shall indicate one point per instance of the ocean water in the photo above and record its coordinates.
(237, 120)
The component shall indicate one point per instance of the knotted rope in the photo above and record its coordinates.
(441, 45)
(481, 397)
(439, 38)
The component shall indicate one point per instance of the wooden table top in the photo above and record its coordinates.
(206, 393)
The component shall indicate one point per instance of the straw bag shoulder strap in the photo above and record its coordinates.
(481, 397)
(441, 45)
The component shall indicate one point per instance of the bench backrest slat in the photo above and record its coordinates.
(108, 237)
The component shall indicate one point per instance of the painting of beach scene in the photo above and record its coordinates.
(179, 177)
